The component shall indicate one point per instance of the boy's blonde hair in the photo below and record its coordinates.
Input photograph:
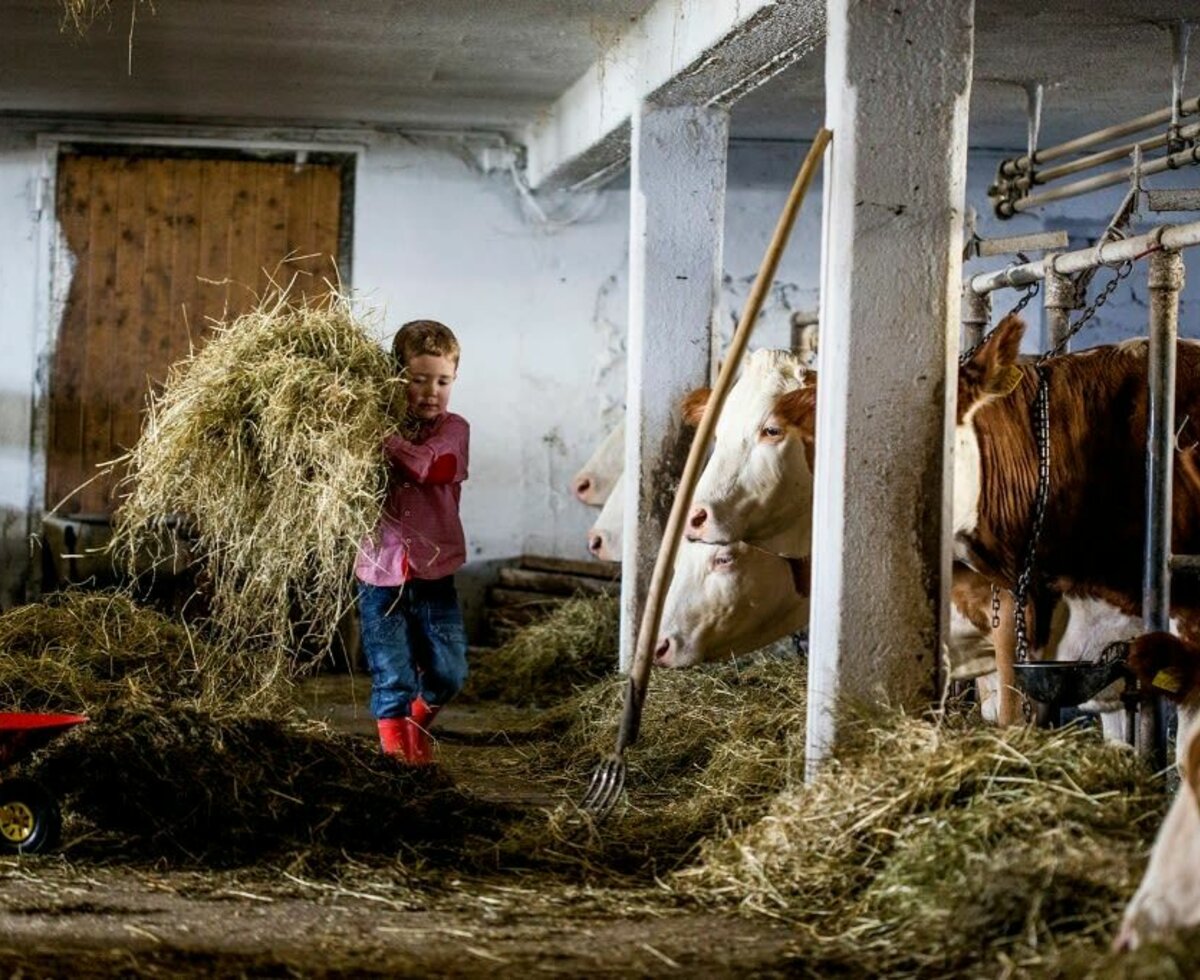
(419, 337)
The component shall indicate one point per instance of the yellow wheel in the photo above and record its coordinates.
(16, 822)
(29, 817)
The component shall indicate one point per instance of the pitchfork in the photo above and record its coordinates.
(608, 779)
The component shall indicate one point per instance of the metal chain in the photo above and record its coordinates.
(1122, 272)
(1041, 435)
(995, 607)
(1030, 292)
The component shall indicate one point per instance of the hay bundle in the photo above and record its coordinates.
(946, 850)
(82, 652)
(182, 784)
(268, 440)
(716, 744)
(548, 660)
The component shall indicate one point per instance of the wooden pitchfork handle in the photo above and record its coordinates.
(660, 579)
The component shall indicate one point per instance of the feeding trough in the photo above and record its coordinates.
(1067, 684)
(30, 821)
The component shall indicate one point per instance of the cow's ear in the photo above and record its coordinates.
(991, 370)
(799, 409)
(691, 409)
(1168, 665)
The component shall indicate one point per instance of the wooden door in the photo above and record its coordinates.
(159, 245)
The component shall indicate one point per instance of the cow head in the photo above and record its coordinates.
(594, 483)
(604, 538)
(758, 483)
(727, 600)
(1169, 895)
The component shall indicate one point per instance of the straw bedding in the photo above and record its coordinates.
(548, 660)
(268, 442)
(946, 850)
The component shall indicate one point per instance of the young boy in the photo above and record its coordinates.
(412, 628)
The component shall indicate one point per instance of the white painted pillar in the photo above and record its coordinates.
(676, 223)
(897, 84)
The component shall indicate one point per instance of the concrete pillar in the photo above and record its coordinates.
(676, 224)
(897, 84)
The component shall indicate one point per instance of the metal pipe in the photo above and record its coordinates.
(1165, 282)
(1184, 158)
(1171, 237)
(1059, 299)
(976, 312)
(1181, 32)
(1012, 168)
(1108, 156)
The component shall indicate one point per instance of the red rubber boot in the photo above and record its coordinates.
(391, 735)
(418, 742)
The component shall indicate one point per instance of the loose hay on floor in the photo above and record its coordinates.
(546, 661)
(946, 850)
(82, 651)
(716, 744)
(180, 784)
(268, 442)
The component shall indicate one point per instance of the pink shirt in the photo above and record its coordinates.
(420, 534)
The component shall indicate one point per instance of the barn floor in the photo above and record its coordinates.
(77, 918)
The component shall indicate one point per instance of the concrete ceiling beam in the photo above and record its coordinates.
(679, 52)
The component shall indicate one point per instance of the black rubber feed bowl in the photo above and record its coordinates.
(1066, 684)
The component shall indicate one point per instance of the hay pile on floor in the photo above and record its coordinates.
(548, 660)
(86, 651)
(716, 744)
(946, 851)
(180, 784)
(268, 441)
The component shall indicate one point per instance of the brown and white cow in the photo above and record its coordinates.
(596, 479)
(1168, 897)
(1091, 542)
(729, 599)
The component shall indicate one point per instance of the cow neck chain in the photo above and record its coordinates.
(1030, 292)
(1041, 435)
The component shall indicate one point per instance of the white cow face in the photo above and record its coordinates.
(605, 537)
(594, 483)
(758, 484)
(727, 600)
(1169, 895)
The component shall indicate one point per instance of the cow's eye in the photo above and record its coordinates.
(722, 560)
(770, 431)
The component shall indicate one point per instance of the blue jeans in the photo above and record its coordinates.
(414, 642)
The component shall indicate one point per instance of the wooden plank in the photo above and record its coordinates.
(187, 315)
(271, 229)
(299, 225)
(556, 583)
(243, 229)
(64, 438)
(326, 223)
(610, 570)
(127, 356)
(508, 598)
(158, 337)
(216, 195)
(102, 340)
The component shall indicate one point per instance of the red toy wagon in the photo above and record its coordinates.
(30, 820)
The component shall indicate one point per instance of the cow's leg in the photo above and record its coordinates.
(1004, 637)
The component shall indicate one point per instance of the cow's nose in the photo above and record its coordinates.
(582, 486)
(595, 543)
(662, 652)
(697, 518)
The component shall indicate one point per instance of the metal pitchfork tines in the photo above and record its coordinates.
(608, 779)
